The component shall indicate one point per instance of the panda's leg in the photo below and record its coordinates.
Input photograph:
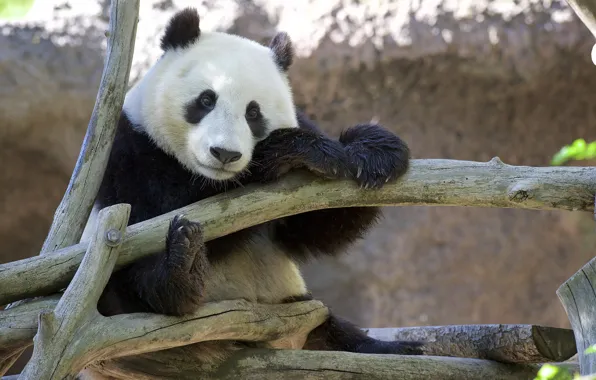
(170, 282)
(338, 334)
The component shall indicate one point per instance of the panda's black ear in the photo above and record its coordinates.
(283, 50)
(182, 30)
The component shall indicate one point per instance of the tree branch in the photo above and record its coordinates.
(101, 338)
(505, 343)
(263, 364)
(71, 215)
(578, 296)
(428, 182)
(502, 343)
(586, 11)
(61, 329)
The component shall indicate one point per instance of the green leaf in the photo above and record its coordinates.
(578, 150)
(591, 349)
(552, 372)
(14, 9)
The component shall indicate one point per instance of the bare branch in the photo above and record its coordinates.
(428, 182)
(18, 325)
(61, 328)
(102, 338)
(265, 364)
(72, 213)
(586, 11)
(578, 296)
(503, 343)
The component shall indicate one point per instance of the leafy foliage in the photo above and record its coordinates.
(578, 150)
(14, 9)
(553, 372)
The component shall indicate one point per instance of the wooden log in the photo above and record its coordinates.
(502, 343)
(262, 364)
(586, 11)
(57, 347)
(578, 296)
(428, 182)
(71, 215)
(506, 343)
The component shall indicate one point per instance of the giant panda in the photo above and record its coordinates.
(215, 112)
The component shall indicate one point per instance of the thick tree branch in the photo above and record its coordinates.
(502, 343)
(61, 329)
(586, 11)
(72, 213)
(578, 296)
(505, 343)
(101, 338)
(261, 364)
(428, 182)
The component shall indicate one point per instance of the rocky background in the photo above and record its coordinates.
(456, 79)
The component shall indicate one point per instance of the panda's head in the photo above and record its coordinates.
(213, 96)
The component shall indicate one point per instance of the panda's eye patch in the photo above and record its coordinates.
(253, 112)
(207, 99)
(199, 107)
(256, 121)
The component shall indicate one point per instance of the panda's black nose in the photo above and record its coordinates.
(225, 156)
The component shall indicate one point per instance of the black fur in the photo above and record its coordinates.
(182, 30)
(257, 124)
(337, 334)
(375, 155)
(283, 50)
(197, 109)
(169, 283)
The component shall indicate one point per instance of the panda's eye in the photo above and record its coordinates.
(253, 113)
(207, 99)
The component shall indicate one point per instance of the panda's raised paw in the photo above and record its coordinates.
(375, 155)
(184, 242)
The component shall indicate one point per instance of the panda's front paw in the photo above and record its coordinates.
(287, 149)
(185, 246)
(184, 270)
(375, 155)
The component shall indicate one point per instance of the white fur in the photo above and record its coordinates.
(258, 272)
(238, 70)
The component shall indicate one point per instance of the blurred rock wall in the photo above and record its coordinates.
(456, 79)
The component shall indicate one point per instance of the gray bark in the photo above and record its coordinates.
(59, 346)
(325, 365)
(503, 343)
(578, 296)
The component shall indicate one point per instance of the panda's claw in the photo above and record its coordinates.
(376, 156)
(184, 243)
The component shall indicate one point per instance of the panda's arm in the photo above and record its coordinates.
(369, 154)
